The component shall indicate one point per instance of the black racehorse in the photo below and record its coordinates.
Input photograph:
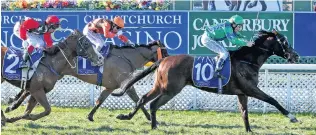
(175, 72)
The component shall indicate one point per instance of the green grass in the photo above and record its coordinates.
(73, 121)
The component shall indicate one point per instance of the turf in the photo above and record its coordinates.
(73, 121)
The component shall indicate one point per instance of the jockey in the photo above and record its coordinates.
(107, 28)
(219, 32)
(29, 30)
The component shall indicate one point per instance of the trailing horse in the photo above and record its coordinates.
(120, 63)
(241, 72)
(47, 70)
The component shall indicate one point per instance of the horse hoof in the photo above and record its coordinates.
(294, 120)
(2, 123)
(148, 119)
(90, 118)
(154, 127)
(11, 100)
(8, 109)
(123, 117)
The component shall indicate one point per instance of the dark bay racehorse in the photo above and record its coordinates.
(121, 62)
(44, 79)
(175, 72)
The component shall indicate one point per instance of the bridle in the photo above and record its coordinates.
(281, 44)
(82, 49)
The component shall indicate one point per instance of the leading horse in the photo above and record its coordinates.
(175, 72)
(121, 62)
(46, 75)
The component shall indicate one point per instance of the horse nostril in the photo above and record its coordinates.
(100, 57)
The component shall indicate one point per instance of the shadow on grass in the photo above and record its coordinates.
(98, 129)
(217, 126)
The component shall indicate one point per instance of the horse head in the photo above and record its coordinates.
(276, 43)
(79, 45)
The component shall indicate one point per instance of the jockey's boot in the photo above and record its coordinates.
(98, 48)
(25, 57)
(218, 68)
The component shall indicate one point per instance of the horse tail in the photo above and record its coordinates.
(130, 81)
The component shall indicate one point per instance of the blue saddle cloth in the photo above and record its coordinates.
(85, 67)
(203, 72)
(12, 60)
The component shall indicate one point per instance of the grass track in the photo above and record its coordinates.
(73, 121)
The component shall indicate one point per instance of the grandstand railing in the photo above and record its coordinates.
(292, 85)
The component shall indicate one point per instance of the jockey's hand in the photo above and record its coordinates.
(119, 33)
(129, 42)
(250, 44)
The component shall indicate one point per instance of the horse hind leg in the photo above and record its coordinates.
(41, 98)
(104, 94)
(153, 93)
(133, 95)
(243, 107)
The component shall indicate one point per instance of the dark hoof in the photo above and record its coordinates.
(154, 127)
(3, 123)
(123, 117)
(294, 120)
(90, 118)
(248, 130)
(8, 109)
(148, 118)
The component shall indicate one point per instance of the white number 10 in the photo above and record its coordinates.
(202, 71)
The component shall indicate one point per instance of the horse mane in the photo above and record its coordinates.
(55, 48)
(245, 50)
(129, 47)
(52, 50)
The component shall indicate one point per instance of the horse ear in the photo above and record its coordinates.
(269, 38)
(274, 32)
(159, 43)
(76, 32)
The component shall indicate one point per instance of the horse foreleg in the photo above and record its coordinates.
(104, 94)
(255, 92)
(243, 107)
(133, 95)
(16, 97)
(29, 108)
(16, 104)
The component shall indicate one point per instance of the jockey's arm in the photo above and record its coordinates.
(106, 29)
(48, 40)
(28, 25)
(231, 36)
(122, 37)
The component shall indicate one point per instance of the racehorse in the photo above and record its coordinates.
(175, 72)
(121, 62)
(50, 70)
